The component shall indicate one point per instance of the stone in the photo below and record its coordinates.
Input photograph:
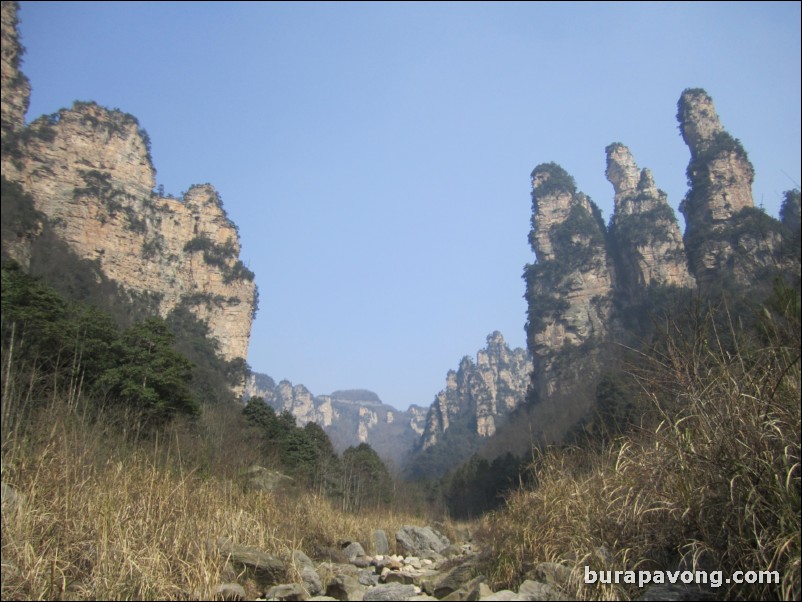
(345, 587)
(97, 195)
(648, 241)
(674, 592)
(301, 560)
(454, 579)
(391, 591)
(502, 595)
(398, 577)
(378, 542)
(488, 390)
(290, 591)
(423, 542)
(353, 550)
(569, 291)
(16, 89)
(259, 478)
(311, 581)
(266, 569)
(534, 590)
(230, 591)
(551, 573)
(480, 591)
(718, 203)
(413, 561)
(467, 591)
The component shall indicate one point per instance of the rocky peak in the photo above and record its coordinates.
(698, 121)
(719, 174)
(622, 171)
(349, 417)
(570, 285)
(479, 394)
(554, 195)
(728, 240)
(647, 241)
(16, 89)
(495, 353)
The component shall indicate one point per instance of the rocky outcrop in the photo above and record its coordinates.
(647, 242)
(88, 170)
(728, 240)
(481, 393)
(720, 174)
(477, 401)
(570, 287)
(16, 89)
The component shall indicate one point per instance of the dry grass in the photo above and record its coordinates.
(105, 518)
(714, 485)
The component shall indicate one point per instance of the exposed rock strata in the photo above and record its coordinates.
(727, 238)
(16, 89)
(570, 286)
(484, 392)
(646, 237)
(88, 170)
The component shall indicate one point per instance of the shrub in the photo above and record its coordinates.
(714, 484)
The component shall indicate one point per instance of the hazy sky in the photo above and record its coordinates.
(376, 157)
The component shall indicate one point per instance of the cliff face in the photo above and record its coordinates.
(570, 287)
(88, 170)
(727, 238)
(476, 402)
(348, 417)
(646, 237)
(484, 392)
(16, 89)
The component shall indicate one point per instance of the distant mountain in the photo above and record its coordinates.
(349, 417)
(426, 441)
(356, 396)
(478, 398)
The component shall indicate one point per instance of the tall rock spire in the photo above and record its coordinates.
(719, 174)
(648, 245)
(569, 288)
(728, 240)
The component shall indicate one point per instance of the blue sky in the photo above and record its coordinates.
(376, 157)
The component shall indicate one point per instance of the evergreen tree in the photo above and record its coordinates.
(149, 375)
(366, 483)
